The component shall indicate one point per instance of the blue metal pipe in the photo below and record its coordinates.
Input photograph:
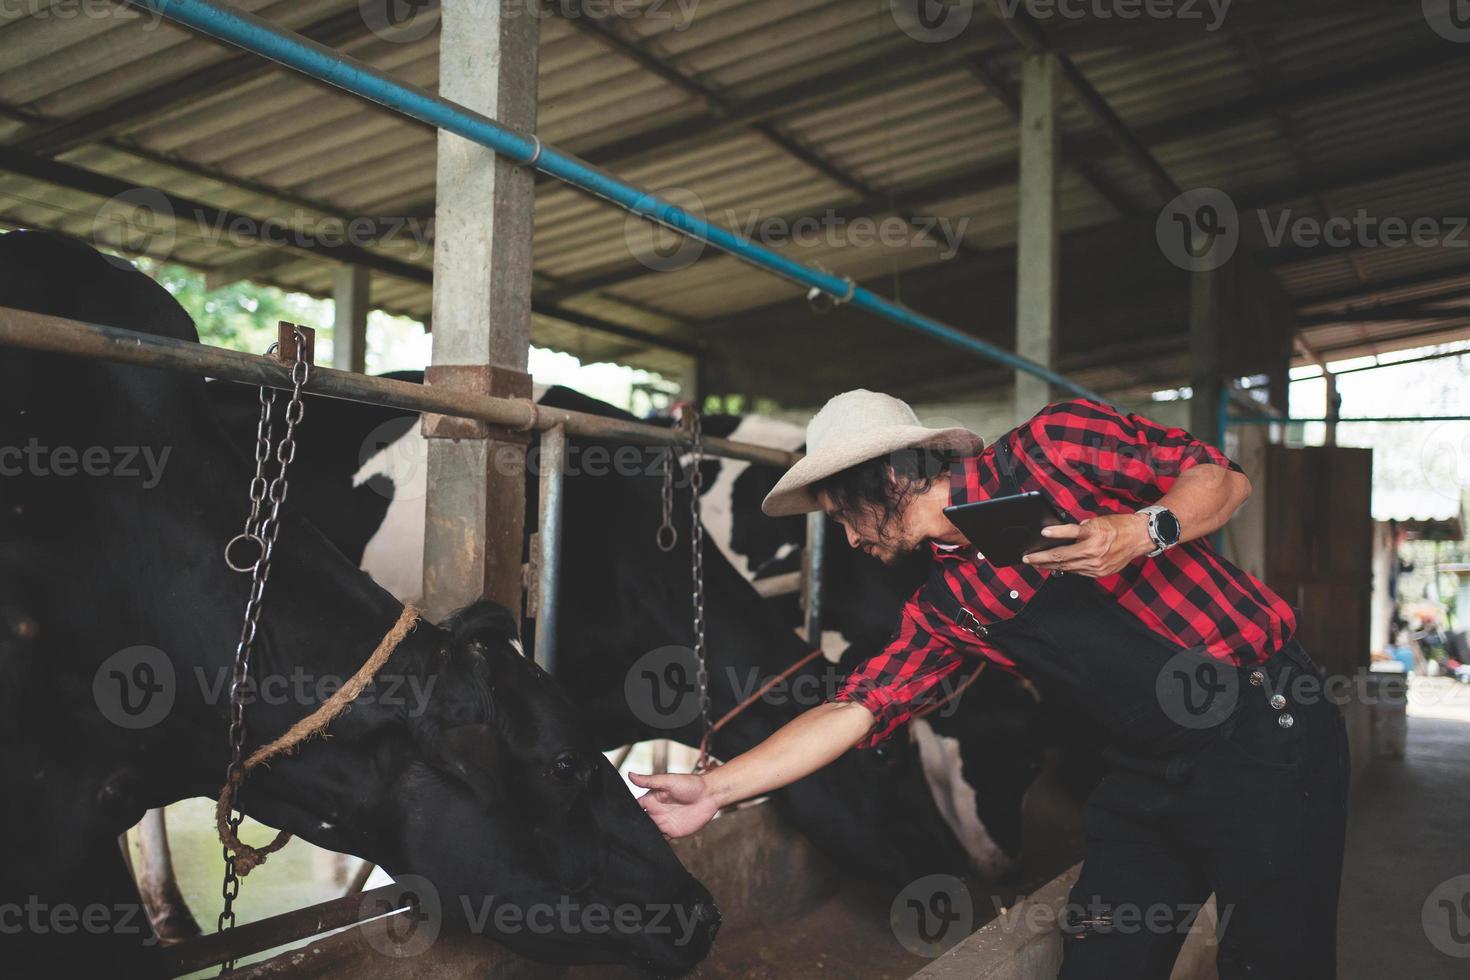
(328, 65)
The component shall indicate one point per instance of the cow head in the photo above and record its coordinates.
(478, 779)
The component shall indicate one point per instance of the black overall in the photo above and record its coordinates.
(1227, 799)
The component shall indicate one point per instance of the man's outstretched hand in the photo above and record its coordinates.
(679, 803)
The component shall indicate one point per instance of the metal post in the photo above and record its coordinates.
(475, 511)
(552, 462)
(1333, 408)
(813, 561)
(350, 294)
(1206, 405)
(1038, 268)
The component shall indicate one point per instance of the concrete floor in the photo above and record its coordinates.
(1408, 838)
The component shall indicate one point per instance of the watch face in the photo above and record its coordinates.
(1168, 526)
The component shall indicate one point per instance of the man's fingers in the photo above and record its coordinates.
(649, 781)
(1072, 531)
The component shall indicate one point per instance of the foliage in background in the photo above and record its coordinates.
(241, 316)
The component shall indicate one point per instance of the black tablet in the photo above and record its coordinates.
(1004, 529)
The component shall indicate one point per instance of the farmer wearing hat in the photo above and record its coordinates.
(1226, 773)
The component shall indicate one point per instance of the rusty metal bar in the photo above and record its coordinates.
(38, 332)
(278, 930)
(787, 583)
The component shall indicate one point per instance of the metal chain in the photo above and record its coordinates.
(696, 552)
(668, 536)
(262, 529)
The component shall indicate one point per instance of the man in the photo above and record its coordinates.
(1247, 802)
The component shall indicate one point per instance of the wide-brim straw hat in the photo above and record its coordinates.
(852, 428)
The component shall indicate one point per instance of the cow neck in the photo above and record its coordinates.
(163, 549)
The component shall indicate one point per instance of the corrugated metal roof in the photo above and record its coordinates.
(787, 108)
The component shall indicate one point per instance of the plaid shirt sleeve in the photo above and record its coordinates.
(1121, 454)
(906, 675)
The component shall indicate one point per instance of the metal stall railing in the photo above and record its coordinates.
(49, 334)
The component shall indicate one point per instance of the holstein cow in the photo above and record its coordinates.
(980, 758)
(463, 763)
(624, 605)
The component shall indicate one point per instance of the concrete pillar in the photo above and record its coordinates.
(351, 291)
(475, 510)
(1332, 410)
(1037, 258)
(1206, 373)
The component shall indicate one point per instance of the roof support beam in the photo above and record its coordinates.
(75, 178)
(1038, 258)
(980, 66)
(1030, 37)
(193, 88)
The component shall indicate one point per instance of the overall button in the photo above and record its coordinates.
(1015, 594)
(1285, 720)
(1258, 678)
(1278, 701)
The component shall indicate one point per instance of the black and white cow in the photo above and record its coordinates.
(118, 620)
(622, 601)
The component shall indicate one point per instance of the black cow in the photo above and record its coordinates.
(622, 599)
(487, 785)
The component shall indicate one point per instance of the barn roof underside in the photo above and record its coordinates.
(777, 109)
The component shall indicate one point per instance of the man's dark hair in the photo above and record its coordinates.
(885, 485)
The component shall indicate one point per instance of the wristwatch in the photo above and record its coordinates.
(1163, 528)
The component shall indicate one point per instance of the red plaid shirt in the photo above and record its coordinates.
(1088, 459)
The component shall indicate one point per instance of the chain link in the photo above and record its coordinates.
(261, 527)
(668, 536)
(696, 552)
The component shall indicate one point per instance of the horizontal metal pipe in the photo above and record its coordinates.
(787, 583)
(1341, 420)
(35, 331)
(278, 930)
(234, 26)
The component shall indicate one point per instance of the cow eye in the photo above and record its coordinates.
(565, 767)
